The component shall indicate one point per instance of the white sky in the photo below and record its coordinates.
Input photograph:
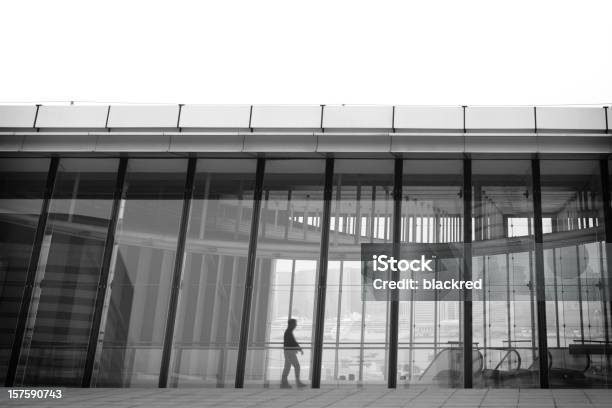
(311, 51)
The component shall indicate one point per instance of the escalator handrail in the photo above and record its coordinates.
(449, 349)
(508, 352)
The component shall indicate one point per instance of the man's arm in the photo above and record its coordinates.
(293, 344)
(297, 345)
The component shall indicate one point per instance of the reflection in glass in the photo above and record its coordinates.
(429, 331)
(206, 336)
(578, 319)
(504, 315)
(207, 328)
(22, 185)
(288, 248)
(61, 311)
(355, 332)
(136, 305)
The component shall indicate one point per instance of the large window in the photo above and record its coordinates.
(355, 331)
(504, 313)
(429, 350)
(204, 346)
(288, 248)
(22, 186)
(60, 315)
(578, 319)
(207, 328)
(136, 309)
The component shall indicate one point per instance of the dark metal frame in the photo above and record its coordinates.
(607, 211)
(467, 272)
(26, 299)
(539, 274)
(104, 273)
(394, 305)
(177, 274)
(250, 275)
(317, 353)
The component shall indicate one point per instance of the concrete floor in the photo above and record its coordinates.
(348, 397)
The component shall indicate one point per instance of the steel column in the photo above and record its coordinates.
(607, 211)
(539, 274)
(395, 275)
(467, 272)
(104, 272)
(250, 275)
(322, 278)
(177, 274)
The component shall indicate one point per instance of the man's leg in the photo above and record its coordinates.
(296, 367)
(284, 382)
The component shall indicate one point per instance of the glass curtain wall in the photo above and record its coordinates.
(355, 343)
(356, 332)
(61, 311)
(288, 248)
(429, 342)
(504, 314)
(22, 187)
(207, 331)
(136, 305)
(576, 275)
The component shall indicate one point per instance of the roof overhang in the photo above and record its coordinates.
(305, 130)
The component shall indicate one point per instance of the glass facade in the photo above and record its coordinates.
(429, 346)
(93, 263)
(576, 274)
(132, 334)
(22, 191)
(504, 323)
(356, 332)
(207, 332)
(61, 310)
(286, 266)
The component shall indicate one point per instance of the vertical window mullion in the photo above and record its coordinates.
(250, 273)
(317, 345)
(607, 212)
(539, 274)
(394, 310)
(467, 272)
(104, 273)
(176, 277)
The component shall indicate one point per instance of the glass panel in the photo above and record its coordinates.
(22, 187)
(504, 317)
(355, 332)
(136, 305)
(61, 311)
(575, 266)
(288, 248)
(430, 349)
(207, 331)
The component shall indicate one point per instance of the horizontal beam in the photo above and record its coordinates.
(302, 142)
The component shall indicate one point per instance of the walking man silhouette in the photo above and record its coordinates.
(291, 348)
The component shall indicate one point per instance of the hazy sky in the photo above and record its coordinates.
(328, 51)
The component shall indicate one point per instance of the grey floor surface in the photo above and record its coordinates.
(347, 397)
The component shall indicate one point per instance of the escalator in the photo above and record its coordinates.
(509, 372)
(566, 368)
(446, 369)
